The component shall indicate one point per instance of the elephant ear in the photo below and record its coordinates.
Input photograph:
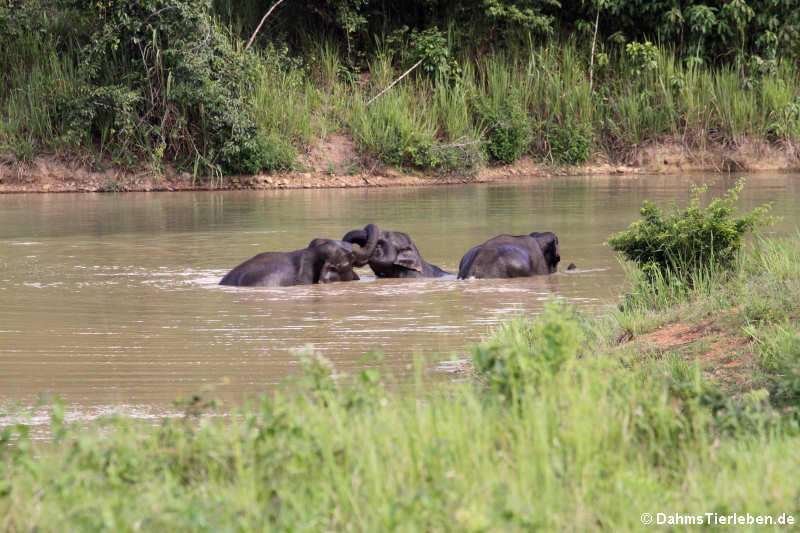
(338, 257)
(407, 254)
(327, 273)
(408, 259)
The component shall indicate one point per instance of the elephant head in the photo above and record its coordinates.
(548, 242)
(336, 259)
(395, 256)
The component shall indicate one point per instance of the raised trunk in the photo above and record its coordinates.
(366, 240)
(356, 236)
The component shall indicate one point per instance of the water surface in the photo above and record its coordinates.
(111, 301)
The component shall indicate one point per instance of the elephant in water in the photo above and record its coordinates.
(508, 256)
(324, 261)
(396, 256)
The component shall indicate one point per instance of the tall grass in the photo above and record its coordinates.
(452, 108)
(397, 127)
(526, 101)
(285, 103)
(35, 78)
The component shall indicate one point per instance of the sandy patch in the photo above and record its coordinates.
(673, 156)
(335, 162)
(335, 155)
(724, 355)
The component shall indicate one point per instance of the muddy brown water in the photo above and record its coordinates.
(111, 303)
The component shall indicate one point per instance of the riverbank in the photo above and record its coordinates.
(334, 163)
(127, 99)
(684, 400)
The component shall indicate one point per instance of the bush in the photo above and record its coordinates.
(690, 240)
(570, 145)
(508, 130)
(145, 79)
(251, 154)
(522, 351)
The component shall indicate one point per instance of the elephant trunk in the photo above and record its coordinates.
(356, 236)
(366, 239)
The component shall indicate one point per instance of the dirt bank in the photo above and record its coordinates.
(335, 163)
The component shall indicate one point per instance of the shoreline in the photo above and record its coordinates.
(61, 174)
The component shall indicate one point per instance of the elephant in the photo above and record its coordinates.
(396, 256)
(509, 256)
(323, 261)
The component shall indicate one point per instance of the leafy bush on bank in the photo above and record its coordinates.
(154, 79)
(691, 240)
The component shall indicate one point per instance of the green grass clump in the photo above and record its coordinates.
(395, 129)
(779, 348)
(570, 146)
(522, 353)
(500, 108)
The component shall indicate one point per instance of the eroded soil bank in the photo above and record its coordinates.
(335, 163)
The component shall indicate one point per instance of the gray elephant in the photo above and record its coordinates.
(323, 261)
(509, 256)
(396, 256)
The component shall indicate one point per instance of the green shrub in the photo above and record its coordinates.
(523, 351)
(432, 48)
(507, 129)
(252, 154)
(690, 240)
(568, 145)
(642, 56)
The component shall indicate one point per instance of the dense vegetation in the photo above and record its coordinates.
(159, 82)
(570, 422)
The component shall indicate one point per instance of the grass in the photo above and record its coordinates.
(33, 80)
(496, 106)
(571, 423)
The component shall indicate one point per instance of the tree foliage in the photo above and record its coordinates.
(715, 31)
(158, 76)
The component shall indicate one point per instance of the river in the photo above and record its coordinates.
(111, 303)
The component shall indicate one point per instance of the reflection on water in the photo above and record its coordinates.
(111, 301)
